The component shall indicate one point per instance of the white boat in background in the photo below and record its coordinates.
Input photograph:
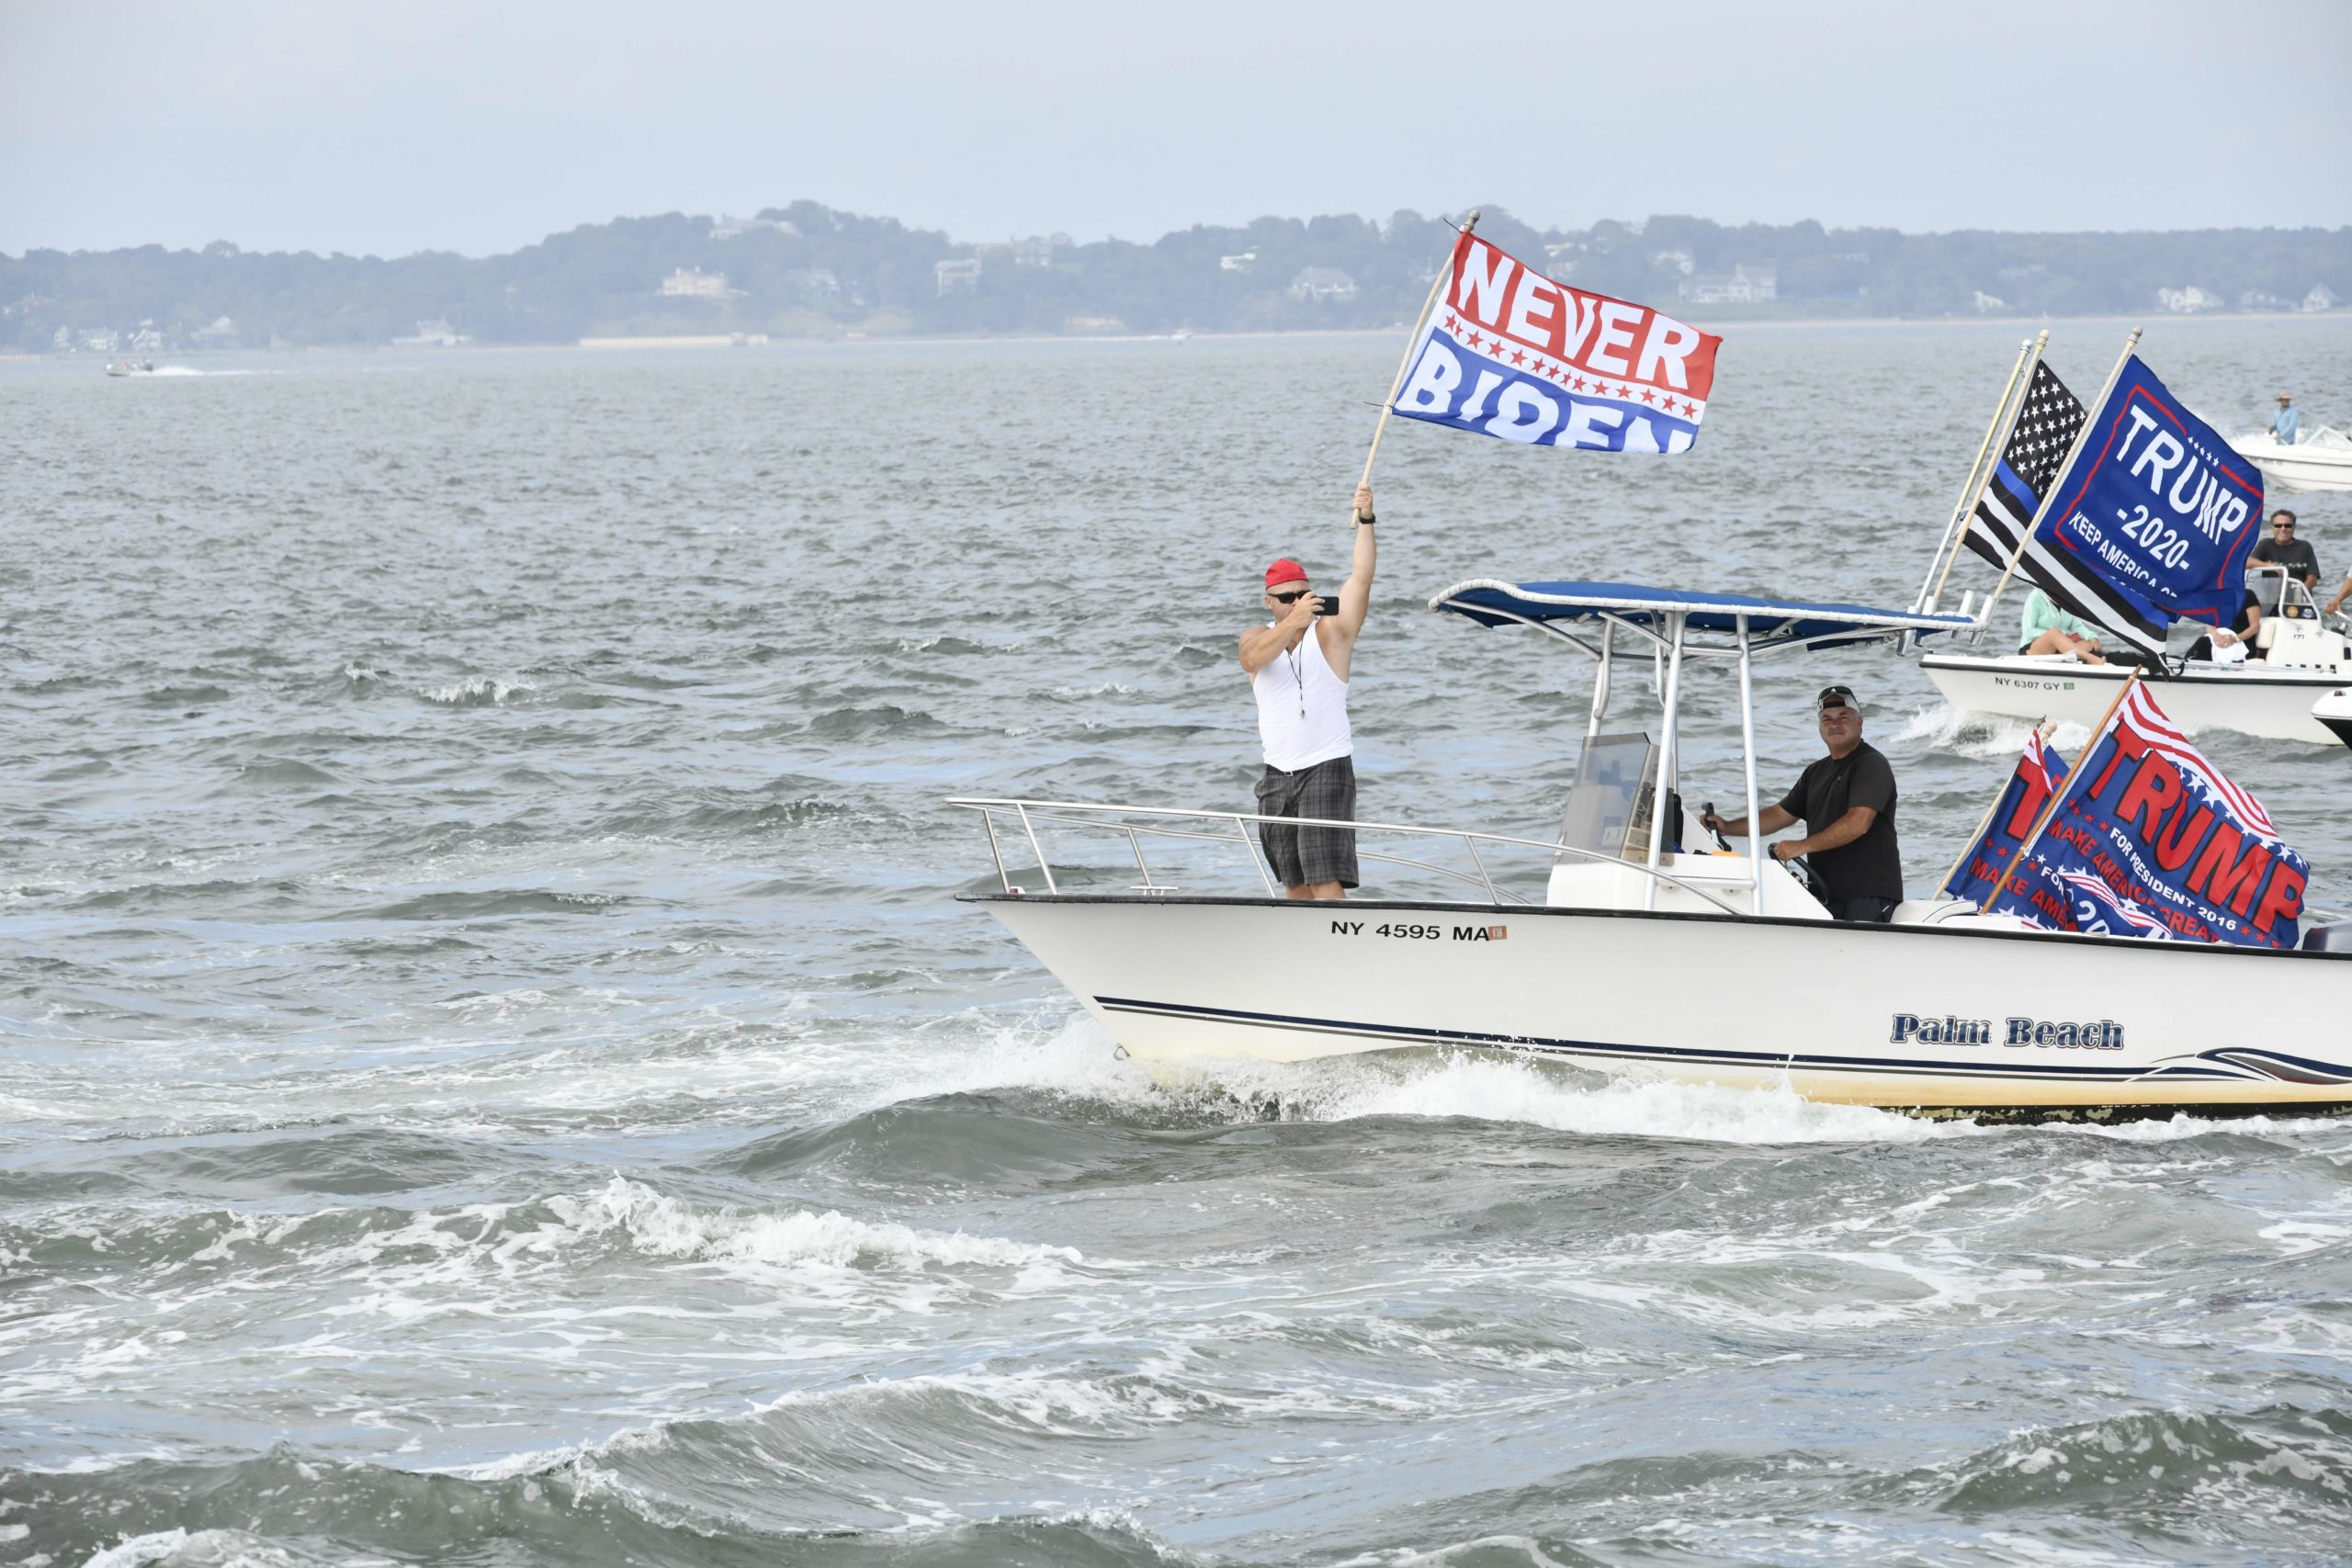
(2320, 461)
(1633, 951)
(2303, 656)
(2335, 711)
(131, 367)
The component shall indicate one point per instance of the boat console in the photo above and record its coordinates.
(2294, 635)
(1605, 842)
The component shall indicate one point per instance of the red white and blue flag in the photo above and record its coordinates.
(2153, 521)
(2039, 770)
(2152, 840)
(1510, 352)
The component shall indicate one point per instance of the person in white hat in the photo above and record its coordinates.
(2283, 422)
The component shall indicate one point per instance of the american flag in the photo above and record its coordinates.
(2097, 904)
(2148, 728)
(2046, 426)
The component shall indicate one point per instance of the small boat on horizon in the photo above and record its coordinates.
(131, 367)
(2319, 462)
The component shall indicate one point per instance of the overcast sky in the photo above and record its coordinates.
(404, 125)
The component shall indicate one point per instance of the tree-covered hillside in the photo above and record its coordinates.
(807, 270)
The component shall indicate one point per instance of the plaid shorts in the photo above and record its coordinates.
(1301, 855)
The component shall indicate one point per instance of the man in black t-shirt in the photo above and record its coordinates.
(1846, 802)
(2282, 549)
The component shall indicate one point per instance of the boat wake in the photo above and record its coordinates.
(1465, 1086)
(1073, 1058)
(1985, 737)
(1077, 1059)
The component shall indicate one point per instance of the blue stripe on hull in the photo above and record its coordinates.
(1675, 1055)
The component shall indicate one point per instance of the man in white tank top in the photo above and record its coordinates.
(1298, 667)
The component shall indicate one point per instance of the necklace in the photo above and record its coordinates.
(1299, 676)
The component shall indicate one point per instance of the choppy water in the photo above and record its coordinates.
(492, 1068)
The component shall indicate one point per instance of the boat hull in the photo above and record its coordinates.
(2298, 468)
(2333, 711)
(2252, 698)
(1915, 1017)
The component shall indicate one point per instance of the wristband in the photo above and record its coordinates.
(1364, 522)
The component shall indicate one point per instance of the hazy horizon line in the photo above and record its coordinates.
(1634, 226)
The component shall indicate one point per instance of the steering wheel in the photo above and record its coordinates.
(1810, 877)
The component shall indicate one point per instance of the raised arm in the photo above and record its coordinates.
(1338, 631)
(1355, 594)
(1260, 643)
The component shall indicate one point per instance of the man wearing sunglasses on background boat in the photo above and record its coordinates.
(1298, 668)
(2286, 554)
(1847, 801)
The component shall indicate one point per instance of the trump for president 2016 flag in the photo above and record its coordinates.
(1512, 354)
(2152, 840)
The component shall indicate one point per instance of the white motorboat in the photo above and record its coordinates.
(2301, 656)
(1641, 953)
(131, 367)
(2335, 711)
(2320, 461)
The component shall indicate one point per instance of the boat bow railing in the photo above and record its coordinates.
(1022, 819)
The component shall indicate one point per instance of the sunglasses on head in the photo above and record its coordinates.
(1293, 597)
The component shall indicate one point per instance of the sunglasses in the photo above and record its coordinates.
(1293, 597)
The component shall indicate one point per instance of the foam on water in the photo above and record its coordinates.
(801, 1241)
(1494, 1087)
(1986, 737)
(478, 691)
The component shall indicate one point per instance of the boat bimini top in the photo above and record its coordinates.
(1671, 625)
(1766, 624)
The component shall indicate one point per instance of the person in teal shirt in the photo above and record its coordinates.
(2046, 629)
(2283, 424)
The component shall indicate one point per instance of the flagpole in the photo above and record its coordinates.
(2058, 796)
(2005, 419)
(1412, 340)
(2057, 477)
(2042, 731)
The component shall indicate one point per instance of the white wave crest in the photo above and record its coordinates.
(481, 691)
(1503, 1089)
(1984, 736)
(138, 1551)
(1065, 1052)
(180, 1548)
(667, 1228)
(1077, 1057)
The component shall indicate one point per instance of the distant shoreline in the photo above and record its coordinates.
(805, 270)
(713, 342)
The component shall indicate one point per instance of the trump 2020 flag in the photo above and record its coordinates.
(1510, 352)
(2153, 521)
